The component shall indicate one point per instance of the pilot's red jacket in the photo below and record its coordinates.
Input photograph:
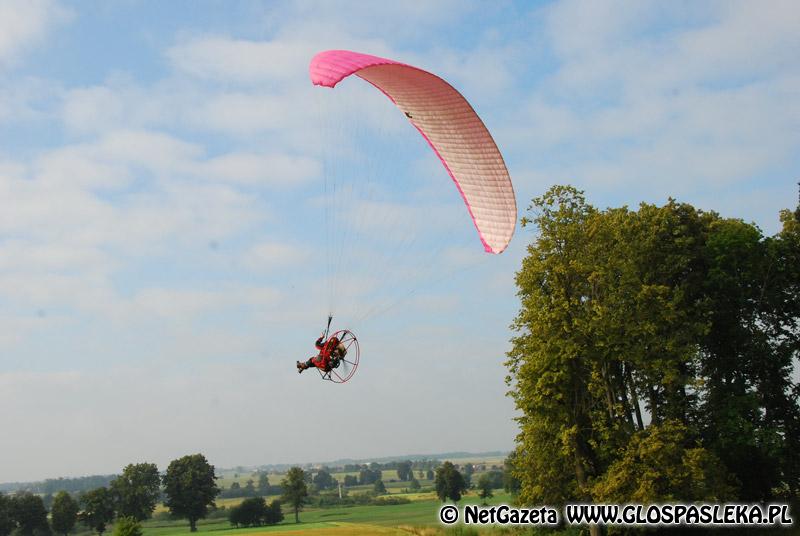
(322, 361)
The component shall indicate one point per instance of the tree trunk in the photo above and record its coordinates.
(634, 398)
(580, 476)
(192, 524)
(619, 376)
(655, 417)
(610, 395)
(296, 514)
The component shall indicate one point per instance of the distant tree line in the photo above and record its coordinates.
(52, 486)
(189, 489)
(252, 488)
(395, 465)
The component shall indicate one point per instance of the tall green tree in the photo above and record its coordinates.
(7, 523)
(136, 490)
(449, 482)
(64, 513)
(467, 471)
(750, 405)
(667, 312)
(274, 513)
(295, 490)
(404, 471)
(379, 487)
(190, 487)
(369, 476)
(324, 480)
(29, 514)
(485, 487)
(263, 483)
(97, 509)
(610, 327)
(550, 360)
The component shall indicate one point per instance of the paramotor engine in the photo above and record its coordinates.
(345, 355)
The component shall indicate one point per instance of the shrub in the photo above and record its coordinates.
(254, 512)
(127, 526)
(389, 501)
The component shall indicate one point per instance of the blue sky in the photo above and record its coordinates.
(162, 238)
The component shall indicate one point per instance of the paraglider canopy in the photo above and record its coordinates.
(451, 127)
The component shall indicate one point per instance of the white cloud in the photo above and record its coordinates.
(26, 100)
(16, 328)
(157, 152)
(175, 304)
(238, 60)
(270, 255)
(82, 165)
(22, 256)
(261, 169)
(92, 108)
(48, 291)
(650, 100)
(24, 23)
(340, 24)
(184, 211)
(748, 40)
(577, 28)
(606, 47)
(123, 103)
(245, 113)
(31, 208)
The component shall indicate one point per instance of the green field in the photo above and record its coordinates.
(395, 519)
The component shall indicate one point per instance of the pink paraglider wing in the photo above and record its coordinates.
(449, 124)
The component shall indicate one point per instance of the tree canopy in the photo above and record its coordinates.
(450, 483)
(653, 355)
(190, 487)
(7, 523)
(97, 509)
(254, 512)
(64, 513)
(136, 490)
(27, 514)
(295, 490)
(485, 487)
(404, 471)
(323, 480)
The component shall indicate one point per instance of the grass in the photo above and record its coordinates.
(419, 517)
(421, 513)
